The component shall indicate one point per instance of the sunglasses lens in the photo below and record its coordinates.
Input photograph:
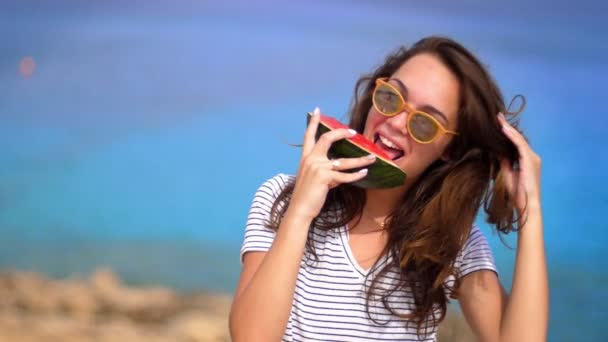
(387, 100)
(422, 127)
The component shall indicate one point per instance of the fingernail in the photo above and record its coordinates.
(501, 115)
(362, 171)
(352, 131)
(370, 157)
(317, 111)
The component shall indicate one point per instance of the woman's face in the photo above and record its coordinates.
(428, 85)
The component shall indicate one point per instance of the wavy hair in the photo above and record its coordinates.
(433, 220)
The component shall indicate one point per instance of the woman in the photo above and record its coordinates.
(325, 260)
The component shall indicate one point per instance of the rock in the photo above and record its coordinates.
(29, 292)
(76, 299)
(199, 327)
(145, 304)
(217, 304)
(35, 309)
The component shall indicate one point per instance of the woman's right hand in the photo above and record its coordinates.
(317, 174)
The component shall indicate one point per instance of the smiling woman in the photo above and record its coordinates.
(326, 260)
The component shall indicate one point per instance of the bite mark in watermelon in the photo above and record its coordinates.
(383, 173)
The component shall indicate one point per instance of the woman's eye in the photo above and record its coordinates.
(387, 95)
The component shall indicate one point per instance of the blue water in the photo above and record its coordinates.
(138, 141)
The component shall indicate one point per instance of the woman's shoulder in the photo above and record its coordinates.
(274, 185)
(476, 236)
(270, 189)
(476, 252)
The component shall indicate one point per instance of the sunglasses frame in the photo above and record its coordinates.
(404, 105)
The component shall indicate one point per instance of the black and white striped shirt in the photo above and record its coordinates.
(329, 300)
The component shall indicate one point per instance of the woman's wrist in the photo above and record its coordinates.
(531, 216)
(293, 218)
(294, 214)
(532, 207)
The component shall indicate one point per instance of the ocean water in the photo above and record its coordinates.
(139, 138)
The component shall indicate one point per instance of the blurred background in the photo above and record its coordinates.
(133, 134)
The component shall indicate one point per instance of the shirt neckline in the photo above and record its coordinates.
(361, 272)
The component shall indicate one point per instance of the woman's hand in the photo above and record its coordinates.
(317, 174)
(524, 183)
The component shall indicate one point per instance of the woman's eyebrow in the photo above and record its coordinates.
(425, 108)
(402, 86)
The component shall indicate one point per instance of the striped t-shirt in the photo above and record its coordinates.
(329, 300)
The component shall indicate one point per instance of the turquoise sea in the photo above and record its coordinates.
(138, 137)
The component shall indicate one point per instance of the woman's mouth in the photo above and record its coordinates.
(388, 146)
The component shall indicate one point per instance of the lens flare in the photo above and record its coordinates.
(27, 66)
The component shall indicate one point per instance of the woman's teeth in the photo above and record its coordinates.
(387, 142)
(392, 149)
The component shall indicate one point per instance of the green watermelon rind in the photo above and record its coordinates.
(381, 174)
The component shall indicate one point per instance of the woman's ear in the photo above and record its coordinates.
(445, 156)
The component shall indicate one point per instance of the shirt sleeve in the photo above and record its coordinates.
(258, 237)
(476, 255)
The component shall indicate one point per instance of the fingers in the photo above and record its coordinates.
(324, 143)
(343, 164)
(513, 134)
(344, 177)
(525, 151)
(333, 170)
(330, 171)
(311, 131)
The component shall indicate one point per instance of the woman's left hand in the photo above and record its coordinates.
(523, 184)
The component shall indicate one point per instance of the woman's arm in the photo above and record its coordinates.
(524, 315)
(263, 298)
(527, 312)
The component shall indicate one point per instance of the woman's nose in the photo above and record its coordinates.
(398, 122)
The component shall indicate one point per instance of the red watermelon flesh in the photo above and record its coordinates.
(383, 173)
(358, 139)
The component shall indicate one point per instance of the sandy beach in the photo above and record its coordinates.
(35, 308)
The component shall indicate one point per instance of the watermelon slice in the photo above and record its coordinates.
(383, 173)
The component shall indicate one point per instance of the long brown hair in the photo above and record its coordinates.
(433, 220)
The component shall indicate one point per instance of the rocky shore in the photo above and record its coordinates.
(100, 308)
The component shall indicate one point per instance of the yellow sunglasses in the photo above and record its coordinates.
(422, 127)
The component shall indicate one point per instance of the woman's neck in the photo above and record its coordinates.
(381, 202)
(378, 205)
